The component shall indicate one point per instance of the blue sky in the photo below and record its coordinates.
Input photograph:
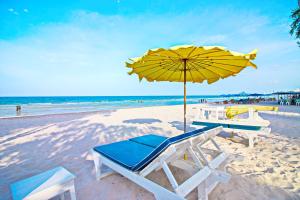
(79, 47)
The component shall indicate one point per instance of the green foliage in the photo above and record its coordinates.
(295, 26)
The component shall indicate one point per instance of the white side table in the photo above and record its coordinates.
(45, 185)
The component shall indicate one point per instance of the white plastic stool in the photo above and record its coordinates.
(45, 185)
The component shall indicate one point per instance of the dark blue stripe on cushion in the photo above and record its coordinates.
(149, 140)
(233, 126)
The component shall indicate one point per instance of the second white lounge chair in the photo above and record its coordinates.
(250, 128)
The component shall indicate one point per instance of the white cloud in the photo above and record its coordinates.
(13, 11)
(252, 24)
(25, 10)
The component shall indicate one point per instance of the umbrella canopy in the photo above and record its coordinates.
(189, 64)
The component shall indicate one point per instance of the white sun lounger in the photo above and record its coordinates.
(250, 128)
(217, 114)
(137, 157)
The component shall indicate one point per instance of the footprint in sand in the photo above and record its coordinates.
(294, 162)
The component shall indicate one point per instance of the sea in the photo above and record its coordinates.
(31, 106)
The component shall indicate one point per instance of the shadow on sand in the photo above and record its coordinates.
(142, 121)
(180, 126)
(65, 142)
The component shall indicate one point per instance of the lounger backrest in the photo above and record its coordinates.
(163, 146)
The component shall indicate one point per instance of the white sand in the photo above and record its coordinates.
(32, 145)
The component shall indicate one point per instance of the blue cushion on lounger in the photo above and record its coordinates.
(127, 153)
(233, 126)
(149, 140)
(135, 156)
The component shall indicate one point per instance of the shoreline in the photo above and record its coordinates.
(55, 114)
(289, 113)
(83, 112)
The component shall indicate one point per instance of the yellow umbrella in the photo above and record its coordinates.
(189, 63)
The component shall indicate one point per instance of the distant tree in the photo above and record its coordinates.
(295, 26)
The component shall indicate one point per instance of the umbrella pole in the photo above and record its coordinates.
(184, 80)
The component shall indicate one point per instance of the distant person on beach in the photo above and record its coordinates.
(202, 101)
(18, 110)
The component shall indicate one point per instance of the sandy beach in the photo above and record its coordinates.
(31, 145)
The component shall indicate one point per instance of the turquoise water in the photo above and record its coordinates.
(71, 104)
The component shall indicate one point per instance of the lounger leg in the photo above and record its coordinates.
(72, 192)
(101, 170)
(62, 196)
(162, 196)
(202, 194)
(98, 164)
(157, 197)
(211, 182)
(251, 141)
